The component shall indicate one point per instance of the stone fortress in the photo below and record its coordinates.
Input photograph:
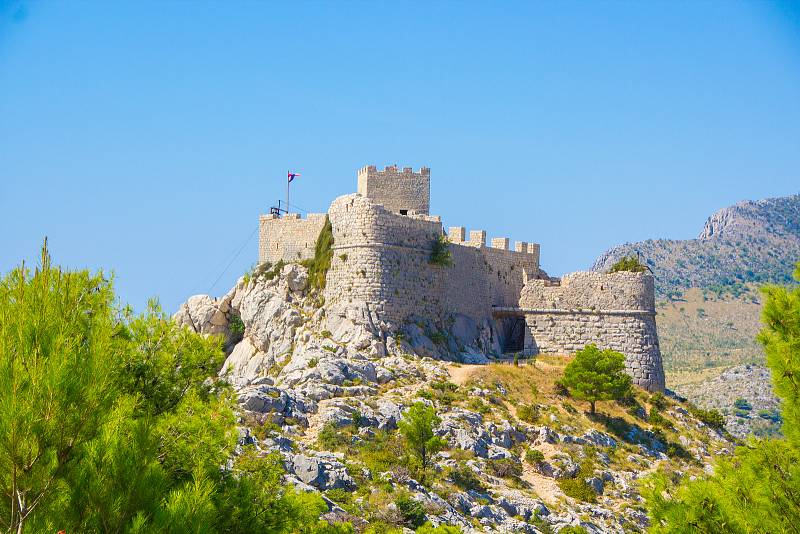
(383, 239)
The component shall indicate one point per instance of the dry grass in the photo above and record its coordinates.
(701, 331)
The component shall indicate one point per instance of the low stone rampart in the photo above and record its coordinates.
(614, 311)
(288, 238)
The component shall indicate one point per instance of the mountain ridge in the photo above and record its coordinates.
(750, 241)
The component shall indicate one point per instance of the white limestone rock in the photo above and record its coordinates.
(245, 364)
(203, 315)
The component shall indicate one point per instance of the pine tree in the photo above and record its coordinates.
(111, 422)
(417, 427)
(595, 375)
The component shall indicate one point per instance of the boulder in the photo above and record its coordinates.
(322, 471)
(203, 315)
(246, 364)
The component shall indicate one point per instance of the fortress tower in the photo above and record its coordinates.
(400, 191)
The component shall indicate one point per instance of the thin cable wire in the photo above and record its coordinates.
(299, 208)
(233, 260)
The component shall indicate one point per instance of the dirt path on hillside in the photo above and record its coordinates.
(461, 373)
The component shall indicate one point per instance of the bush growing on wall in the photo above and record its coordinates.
(628, 263)
(323, 253)
(440, 252)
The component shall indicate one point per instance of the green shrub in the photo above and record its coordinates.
(505, 468)
(628, 263)
(570, 529)
(313, 362)
(466, 479)
(438, 338)
(428, 528)
(355, 418)
(712, 418)
(323, 252)
(578, 489)
(326, 334)
(412, 511)
(440, 252)
(534, 456)
(444, 385)
(528, 413)
(477, 405)
(770, 415)
(658, 401)
(340, 496)
(742, 404)
(656, 419)
(331, 438)
(236, 327)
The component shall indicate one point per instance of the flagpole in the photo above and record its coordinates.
(288, 183)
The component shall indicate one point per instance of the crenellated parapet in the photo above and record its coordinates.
(401, 191)
(383, 257)
(592, 291)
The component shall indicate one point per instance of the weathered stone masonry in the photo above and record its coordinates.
(383, 237)
(288, 238)
(382, 258)
(615, 311)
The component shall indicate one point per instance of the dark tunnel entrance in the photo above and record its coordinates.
(512, 333)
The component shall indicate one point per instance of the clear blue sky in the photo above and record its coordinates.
(145, 138)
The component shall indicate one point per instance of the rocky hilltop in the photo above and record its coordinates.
(752, 241)
(325, 386)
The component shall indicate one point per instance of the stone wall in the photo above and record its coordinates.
(289, 238)
(382, 258)
(614, 311)
(398, 190)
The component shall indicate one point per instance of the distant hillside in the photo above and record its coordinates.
(701, 331)
(752, 241)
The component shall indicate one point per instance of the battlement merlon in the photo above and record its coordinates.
(398, 190)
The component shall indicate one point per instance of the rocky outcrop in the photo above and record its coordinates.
(206, 315)
(307, 374)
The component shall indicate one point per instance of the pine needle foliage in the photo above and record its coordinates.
(417, 428)
(758, 488)
(111, 422)
(57, 349)
(595, 375)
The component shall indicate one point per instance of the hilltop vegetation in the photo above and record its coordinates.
(120, 423)
(701, 330)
